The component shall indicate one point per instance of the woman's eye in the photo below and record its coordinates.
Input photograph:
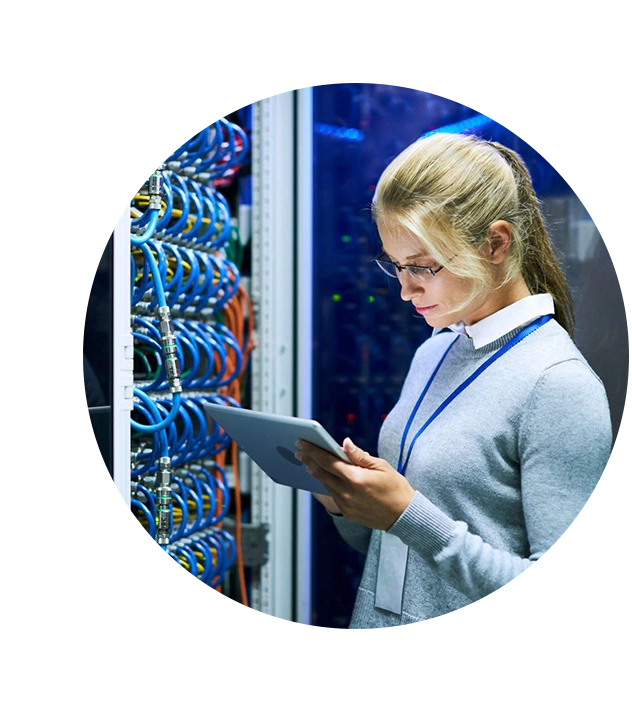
(417, 271)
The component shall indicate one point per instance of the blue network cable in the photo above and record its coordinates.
(178, 264)
(152, 525)
(149, 230)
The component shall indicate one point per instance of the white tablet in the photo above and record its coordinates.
(270, 441)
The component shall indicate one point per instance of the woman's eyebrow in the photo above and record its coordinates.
(419, 255)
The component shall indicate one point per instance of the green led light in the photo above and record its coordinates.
(370, 299)
(346, 238)
(336, 297)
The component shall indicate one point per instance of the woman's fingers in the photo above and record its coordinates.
(314, 457)
(320, 464)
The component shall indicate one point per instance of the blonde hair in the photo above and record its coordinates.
(447, 190)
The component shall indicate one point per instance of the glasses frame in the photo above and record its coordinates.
(381, 263)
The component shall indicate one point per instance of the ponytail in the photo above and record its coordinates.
(540, 266)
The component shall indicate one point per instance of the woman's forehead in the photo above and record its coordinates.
(400, 242)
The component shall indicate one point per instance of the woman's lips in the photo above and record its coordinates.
(425, 310)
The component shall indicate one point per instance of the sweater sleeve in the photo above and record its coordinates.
(564, 440)
(356, 535)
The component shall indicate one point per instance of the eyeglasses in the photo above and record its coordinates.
(417, 272)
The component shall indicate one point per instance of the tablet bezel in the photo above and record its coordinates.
(238, 424)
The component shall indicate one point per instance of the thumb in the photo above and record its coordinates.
(356, 455)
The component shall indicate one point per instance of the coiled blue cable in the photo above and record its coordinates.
(209, 567)
(152, 524)
(188, 342)
(190, 556)
(157, 281)
(207, 236)
(164, 221)
(231, 547)
(151, 502)
(181, 503)
(174, 285)
(158, 425)
(178, 426)
(182, 193)
(149, 230)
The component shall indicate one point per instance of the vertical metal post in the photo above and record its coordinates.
(304, 339)
(273, 359)
(122, 358)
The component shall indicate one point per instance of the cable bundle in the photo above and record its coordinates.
(192, 329)
(191, 280)
(190, 213)
(216, 153)
(209, 353)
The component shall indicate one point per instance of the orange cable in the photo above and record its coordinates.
(234, 320)
(238, 540)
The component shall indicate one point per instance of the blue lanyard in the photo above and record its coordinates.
(530, 328)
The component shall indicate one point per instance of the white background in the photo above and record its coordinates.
(50, 474)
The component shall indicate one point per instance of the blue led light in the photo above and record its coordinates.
(340, 132)
(470, 124)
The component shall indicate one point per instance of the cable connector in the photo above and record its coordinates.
(164, 469)
(168, 342)
(163, 501)
(155, 189)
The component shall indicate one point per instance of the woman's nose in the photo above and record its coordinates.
(409, 288)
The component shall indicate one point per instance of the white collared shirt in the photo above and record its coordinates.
(499, 323)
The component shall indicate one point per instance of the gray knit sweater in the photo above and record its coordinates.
(499, 475)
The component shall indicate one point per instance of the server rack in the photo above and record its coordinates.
(271, 284)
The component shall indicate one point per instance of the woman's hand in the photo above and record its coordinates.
(328, 503)
(368, 490)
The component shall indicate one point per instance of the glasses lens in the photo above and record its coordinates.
(387, 267)
(418, 273)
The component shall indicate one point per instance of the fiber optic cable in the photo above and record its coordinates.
(159, 425)
(151, 524)
(149, 231)
(181, 226)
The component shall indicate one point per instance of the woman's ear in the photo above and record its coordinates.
(500, 236)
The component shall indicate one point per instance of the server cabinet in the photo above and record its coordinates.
(363, 336)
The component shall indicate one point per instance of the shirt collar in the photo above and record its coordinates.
(499, 323)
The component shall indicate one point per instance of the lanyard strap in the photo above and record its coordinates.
(523, 333)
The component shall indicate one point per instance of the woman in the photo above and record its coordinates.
(502, 429)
